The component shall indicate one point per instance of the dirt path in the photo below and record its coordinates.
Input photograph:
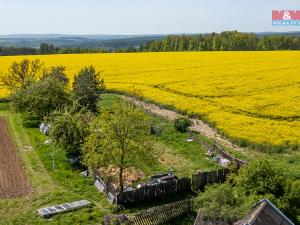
(198, 125)
(13, 181)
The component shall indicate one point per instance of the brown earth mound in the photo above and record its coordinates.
(13, 181)
(130, 174)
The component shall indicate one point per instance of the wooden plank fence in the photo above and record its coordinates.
(150, 192)
(200, 180)
(163, 189)
(106, 187)
(226, 155)
(167, 187)
(199, 218)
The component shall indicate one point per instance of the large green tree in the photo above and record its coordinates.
(40, 98)
(19, 73)
(118, 137)
(87, 87)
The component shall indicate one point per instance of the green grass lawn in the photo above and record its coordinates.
(49, 187)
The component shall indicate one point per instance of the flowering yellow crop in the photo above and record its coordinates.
(249, 95)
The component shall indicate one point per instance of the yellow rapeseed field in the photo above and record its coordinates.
(247, 95)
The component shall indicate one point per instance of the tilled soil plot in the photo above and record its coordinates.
(13, 181)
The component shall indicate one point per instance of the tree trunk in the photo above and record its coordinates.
(121, 179)
(121, 167)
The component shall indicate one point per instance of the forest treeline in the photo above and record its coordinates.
(225, 41)
(46, 49)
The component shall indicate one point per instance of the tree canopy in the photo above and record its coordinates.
(118, 137)
(20, 72)
(69, 128)
(56, 72)
(40, 98)
(87, 87)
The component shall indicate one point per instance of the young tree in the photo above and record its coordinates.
(87, 86)
(118, 137)
(69, 129)
(25, 71)
(41, 97)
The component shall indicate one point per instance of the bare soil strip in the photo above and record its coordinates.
(198, 126)
(13, 181)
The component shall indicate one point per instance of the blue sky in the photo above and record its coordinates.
(139, 16)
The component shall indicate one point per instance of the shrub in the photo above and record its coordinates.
(31, 123)
(220, 203)
(181, 124)
(259, 179)
(30, 120)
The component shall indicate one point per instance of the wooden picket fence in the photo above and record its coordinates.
(154, 216)
(201, 179)
(151, 192)
(162, 214)
(201, 220)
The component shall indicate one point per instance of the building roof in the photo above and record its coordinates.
(265, 213)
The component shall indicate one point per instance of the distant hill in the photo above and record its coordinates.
(291, 33)
(97, 41)
(84, 41)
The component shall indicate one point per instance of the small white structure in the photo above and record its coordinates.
(47, 142)
(44, 128)
(190, 140)
(222, 161)
(85, 173)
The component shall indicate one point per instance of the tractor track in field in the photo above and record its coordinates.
(13, 180)
(210, 99)
(198, 126)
